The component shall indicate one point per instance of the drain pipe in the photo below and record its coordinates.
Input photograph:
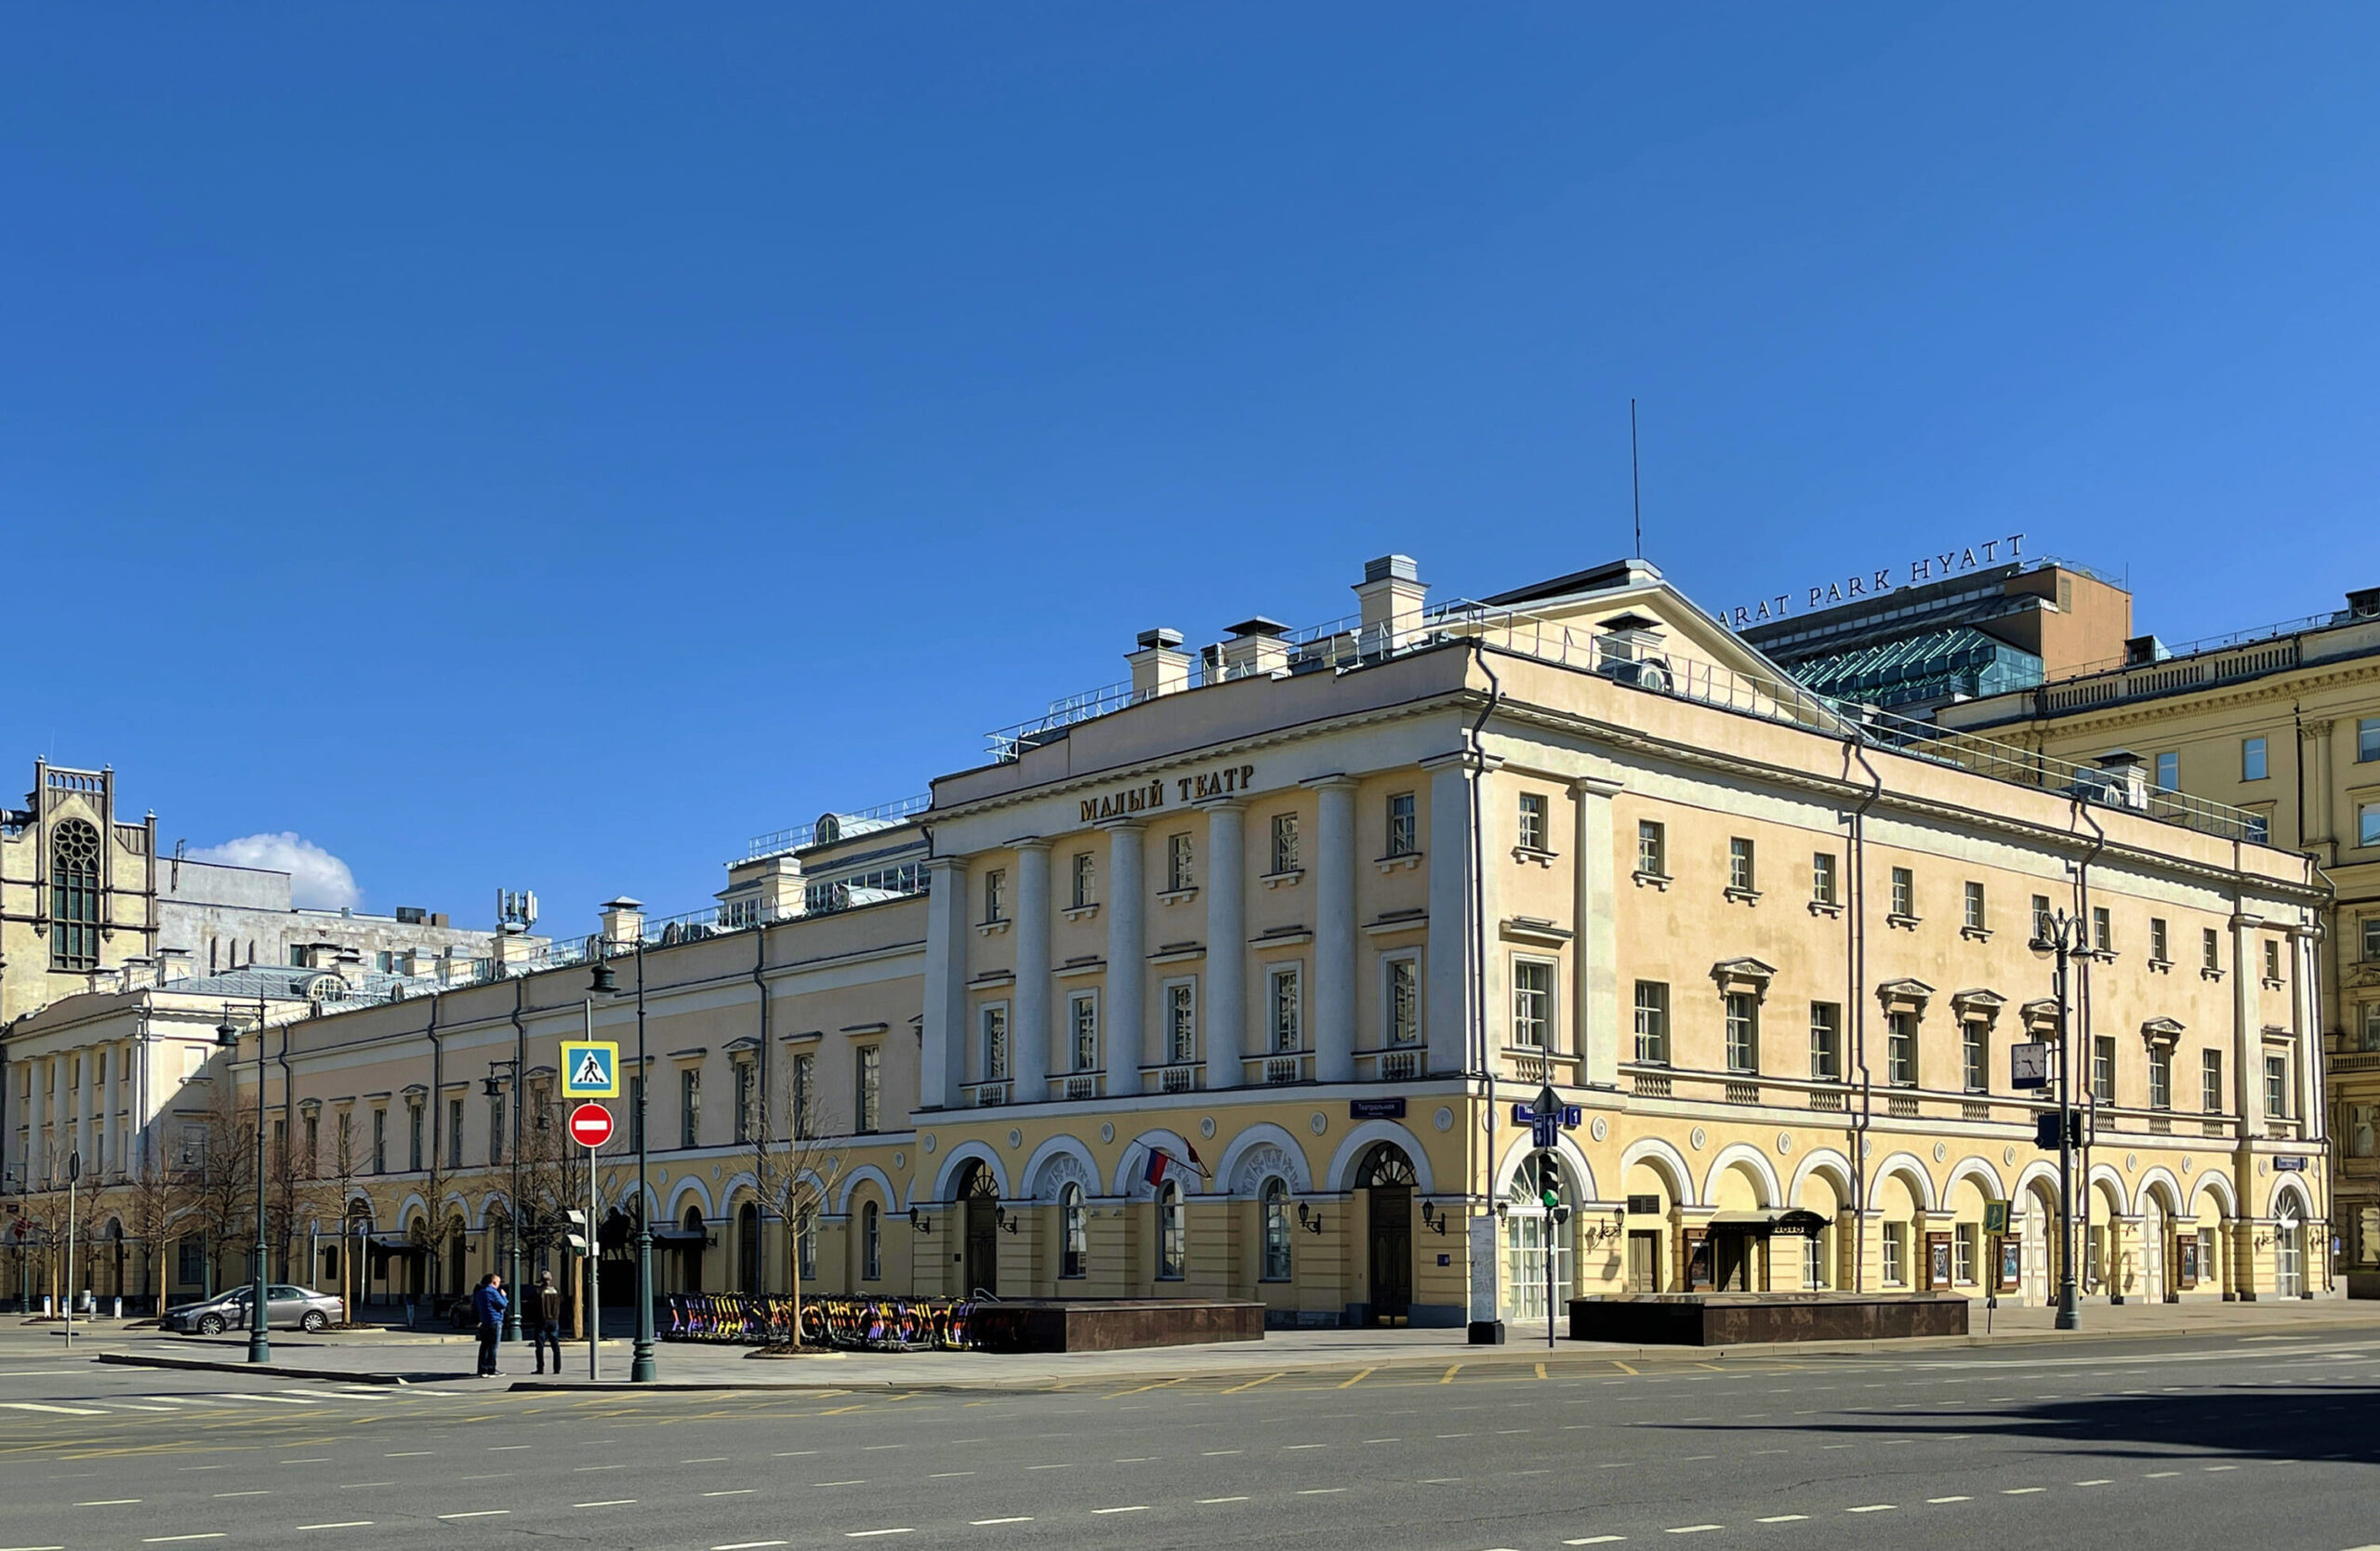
(760, 1143)
(1856, 950)
(2076, 1057)
(1475, 941)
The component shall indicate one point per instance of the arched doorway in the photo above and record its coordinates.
(690, 1254)
(979, 1197)
(1386, 1178)
(2152, 1248)
(1534, 1243)
(2289, 1248)
(2036, 1270)
(748, 1247)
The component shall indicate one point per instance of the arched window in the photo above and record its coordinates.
(1531, 1238)
(1074, 1244)
(75, 896)
(871, 1243)
(1172, 1252)
(1275, 1199)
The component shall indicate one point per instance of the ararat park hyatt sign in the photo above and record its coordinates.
(1918, 573)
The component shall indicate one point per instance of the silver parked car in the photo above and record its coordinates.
(285, 1306)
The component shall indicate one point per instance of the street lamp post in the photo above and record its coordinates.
(260, 1342)
(495, 1089)
(2061, 934)
(641, 1368)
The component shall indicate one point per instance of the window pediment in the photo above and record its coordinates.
(1904, 995)
(2040, 1017)
(1977, 1005)
(2160, 1031)
(1745, 976)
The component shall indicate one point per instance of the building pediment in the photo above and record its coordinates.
(1744, 976)
(1905, 995)
(1978, 1002)
(2160, 1031)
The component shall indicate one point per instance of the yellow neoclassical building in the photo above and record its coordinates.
(1226, 981)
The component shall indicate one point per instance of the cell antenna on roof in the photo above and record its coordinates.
(1636, 481)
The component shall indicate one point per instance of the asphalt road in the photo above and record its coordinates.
(2264, 1442)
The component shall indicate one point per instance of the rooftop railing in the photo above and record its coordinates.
(777, 842)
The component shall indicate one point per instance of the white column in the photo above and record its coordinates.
(2315, 752)
(2247, 1033)
(1226, 991)
(1334, 931)
(942, 1046)
(1127, 1033)
(1029, 1036)
(111, 1121)
(1594, 969)
(87, 1105)
(36, 1116)
(61, 1117)
(2306, 1016)
(1446, 996)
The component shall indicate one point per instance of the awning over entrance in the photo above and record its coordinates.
(1795, 1224)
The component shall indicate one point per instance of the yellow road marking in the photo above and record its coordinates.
(1146, 1387)
(1621, 1366)
(1359, 1378)
(1251, 1383)
(1541, 1369)
(1447, 1377)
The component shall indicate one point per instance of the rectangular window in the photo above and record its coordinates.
(2103, 931)
(2210, 1082)
(1403, 1001)
(1740, 866)
(380, 1141)
(2367, 823)
(1896, 1254)
(1182, 1021)
(1975, 906)
(2254, 765)
(1744, 1031)
(1964, 1244)
(415, 1125)
(689, 1106)
(1814, 1257)
(1900, 1049)
(1904, 893)
(1084, 876)
(1822, 879)
(495, 1130)
(2210, 949)
(1532, 822)
(995, 895)
(1285, 842)
(2371, 932)
(1082, 1022)
(1532, 1004)
(385, 962)
(2272, 960)
(2370, 1027)
(1287, 1008)
(994, 1051)
(2169, 772)
(1404, 832)
(2103, 1067)
(1653, 1022)
(2367, 739)
(1826, 1041)
(869, 1107)
(2160, 1077)
(803, 1098)
(1177, 864)
(745, 1122)
(2159, 943)
(189, 1262)
(2277, 1086)
(2042, 925)
(1652, 849)
(1974, 1055)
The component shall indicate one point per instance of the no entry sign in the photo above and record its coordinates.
(591, 1125)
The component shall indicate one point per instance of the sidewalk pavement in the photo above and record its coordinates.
(399, 1357)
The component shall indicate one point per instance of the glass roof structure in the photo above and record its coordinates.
(1932, 665)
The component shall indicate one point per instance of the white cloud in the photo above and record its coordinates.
(317, 879)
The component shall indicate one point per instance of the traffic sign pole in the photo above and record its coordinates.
(591, 1127)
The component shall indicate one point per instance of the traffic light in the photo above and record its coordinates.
(2045, 1130)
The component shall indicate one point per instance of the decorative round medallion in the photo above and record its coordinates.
(1941, 1151)
(2008, 1155)
(2262, 1166)
(1320, 1123)
(1867, 1148)
(1444, 1119)
(1015, 1138)
(1207, 1126)
(1784, 1141)
(1598, 1128)
(660, 1176)
(927, 1141)
(2130, 1161)
(2185, 1163)
(714, 1171)
(1107, 1130)
(899, 1160)
(1698, 1137)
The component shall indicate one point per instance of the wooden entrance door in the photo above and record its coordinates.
(981, 1193)
(1643, 1262)
(1387, 1180)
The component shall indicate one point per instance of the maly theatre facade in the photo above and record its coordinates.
(1299, 917)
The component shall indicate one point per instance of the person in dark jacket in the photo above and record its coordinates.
(545, 1320)
(489, 1302)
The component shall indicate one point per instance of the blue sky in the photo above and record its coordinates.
(540, 448)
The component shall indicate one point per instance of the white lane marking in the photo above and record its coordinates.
(1783, 1518)
(1137, 1508)
(340, 1524)
(271, 1400)
(1690, 1529)
(167, 1540)
(1205, 1500)
(260, 1492)
(1067, 1467)
(606, 1502)
(1210, 1453)
(578, 1469)
(2101, 1482)
(1595, 1540)
(947, 1474)
(409, 1454)
(1949, 1499)
(1025, 1519)
(2159, 1475)
(478, 1513)
(55, 1411)
(2021, 1492)
(746, 1545)
(2219, 1467)
(865, 1534)
(1874, 1507)
(734, 1492)
(861, 1482)
(1319, 1492)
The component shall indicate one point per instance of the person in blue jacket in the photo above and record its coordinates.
(489, 1302)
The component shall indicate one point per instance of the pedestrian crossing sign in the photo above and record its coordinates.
(590, 1069)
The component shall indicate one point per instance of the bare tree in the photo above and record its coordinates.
(341, 1180)
(223, 1180)
(157, 1192)
(796, 1175)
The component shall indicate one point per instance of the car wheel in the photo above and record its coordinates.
(314, 1320)
(210, 1324)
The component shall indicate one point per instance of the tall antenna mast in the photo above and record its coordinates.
(1635, 480)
